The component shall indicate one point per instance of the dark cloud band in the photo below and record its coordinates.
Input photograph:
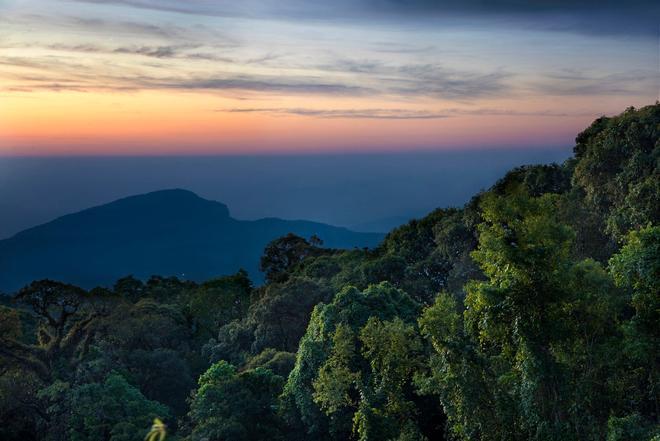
(606, 17)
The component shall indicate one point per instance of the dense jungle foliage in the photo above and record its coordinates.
(531, 313)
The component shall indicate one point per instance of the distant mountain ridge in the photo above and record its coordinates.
(167, 232)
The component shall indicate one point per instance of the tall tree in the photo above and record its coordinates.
(636, 268)
(353, 373)
(534, 336)
(66, 315)
(236, 406)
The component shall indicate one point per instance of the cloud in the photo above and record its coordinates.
(595, 17)
(245, 8)
(433, 80)
(277, 73)
(186, 51)
(344, 113)
(161, 51)
(154, 51)
(97, 25)
(439, 82)
(402, 114)
(353, 77)
(55, 73)
(388, 47)
(569, 83)
(126, 27)
(604, 17)
(259, 84)
(113, 27)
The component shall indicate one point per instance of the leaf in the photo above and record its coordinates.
(158, 431)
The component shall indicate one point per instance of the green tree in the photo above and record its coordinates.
(217, 302)
(235, 405)
(65, 316)
(461, 376)
(284, 253)
(279, 362)
(353, 372)
(616, 166)
(636, 268)
(532, 351)
(113, 410)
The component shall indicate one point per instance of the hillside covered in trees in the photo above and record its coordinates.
(531, 313)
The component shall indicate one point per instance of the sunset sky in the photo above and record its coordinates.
(136, 77)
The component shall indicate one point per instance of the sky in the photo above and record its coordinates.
(254, 77)
(348, 112)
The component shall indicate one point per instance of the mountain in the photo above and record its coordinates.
(169, 232)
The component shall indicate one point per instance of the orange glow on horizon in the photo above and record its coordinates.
(154, 122)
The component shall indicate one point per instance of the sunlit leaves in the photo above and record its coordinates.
(158, 431)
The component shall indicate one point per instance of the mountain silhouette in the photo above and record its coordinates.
(168, 232)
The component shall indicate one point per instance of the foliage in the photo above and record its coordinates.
(279, 362)
(284, 253)
(531, 354)
(236, 406)
(636, 268)
(65, 316)
(158, 431)
(617, 167)
(112, 410)
(353, 372)
(217, 302)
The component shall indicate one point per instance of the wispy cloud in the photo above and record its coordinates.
(436, 81)
(344, 113)
(257, 84)
(366, 78)
(431, 80)
(161, 51)
(189, 56)
(396, 113)
(126, 27)
(388, 47)
(96, 25)
(279, 74)
(571, 83)
(59, 74)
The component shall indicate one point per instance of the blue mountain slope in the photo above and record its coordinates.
(169, 232)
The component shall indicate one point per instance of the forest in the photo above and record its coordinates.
(530, 313)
